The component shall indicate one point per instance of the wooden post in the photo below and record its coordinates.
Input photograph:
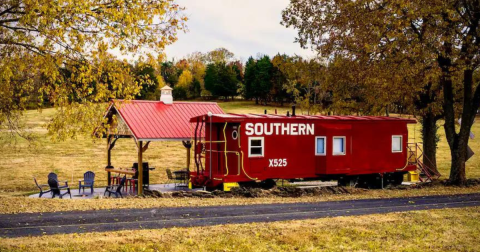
(109, 158)
(187, 145)
(188, 158)
(140, 168)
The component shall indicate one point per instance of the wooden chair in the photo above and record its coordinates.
(88, 181)
(169, 176)
(40, 187)
(115, 189)
(56, 189)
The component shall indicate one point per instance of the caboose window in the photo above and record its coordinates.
(397, 143)
(320, 145)
(339, 145)
(255, 146)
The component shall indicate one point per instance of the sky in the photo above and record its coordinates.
(244, 27)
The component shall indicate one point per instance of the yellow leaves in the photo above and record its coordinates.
(185, 79)
(65, 56)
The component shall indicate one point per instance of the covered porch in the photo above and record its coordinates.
(147, 122)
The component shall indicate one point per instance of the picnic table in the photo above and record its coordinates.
(121, 171)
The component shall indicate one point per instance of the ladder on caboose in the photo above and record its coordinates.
(427, 174)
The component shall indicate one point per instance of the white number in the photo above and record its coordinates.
(277, 162)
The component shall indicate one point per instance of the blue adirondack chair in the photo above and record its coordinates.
(53, 175)
(56, 189)
(88, 181)
(115, 189)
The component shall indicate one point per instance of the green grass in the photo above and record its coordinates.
(434, 230)
(71, 158)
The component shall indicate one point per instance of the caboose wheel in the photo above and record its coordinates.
(397, 179)
(268, 184)
(348, 181)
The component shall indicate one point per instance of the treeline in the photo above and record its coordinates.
(218, 75)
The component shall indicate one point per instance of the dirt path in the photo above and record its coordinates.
(15, 225)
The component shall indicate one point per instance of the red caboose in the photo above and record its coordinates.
(351, 149)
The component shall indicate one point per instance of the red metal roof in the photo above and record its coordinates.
(154, 120)
(240, 117)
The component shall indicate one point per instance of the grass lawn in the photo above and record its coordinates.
(434, 230)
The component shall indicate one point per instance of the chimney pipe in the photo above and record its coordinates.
(293, 110)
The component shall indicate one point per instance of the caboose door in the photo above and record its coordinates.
(333, 149)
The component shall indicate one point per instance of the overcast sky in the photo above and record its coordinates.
(245, 27)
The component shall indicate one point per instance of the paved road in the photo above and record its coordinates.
(16, 225)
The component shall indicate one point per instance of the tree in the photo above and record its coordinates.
(221, 80)
(146, 74)
(228, 81)
(263, 79)
(442, 34)
(197, 67)
(211, 78)
(185, 82)
(249, 79)
(170, 73)
(219, 55)
(304, 82)
(279, 80)
(38, 39)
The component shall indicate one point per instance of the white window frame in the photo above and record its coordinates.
(401, 144)
(344, 146)
(262, 139)
(324, 146)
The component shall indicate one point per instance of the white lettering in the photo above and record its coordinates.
(268, 133)
(285, 129)
(249, 129)
(276, 125)
(301, 129)
(310, 129)
(258, 129)
(277, 162)
(293, 129)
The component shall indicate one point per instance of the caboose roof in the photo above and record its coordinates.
(242, 117)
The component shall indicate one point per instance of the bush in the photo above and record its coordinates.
(179, 93)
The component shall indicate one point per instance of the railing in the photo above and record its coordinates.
(415, 155)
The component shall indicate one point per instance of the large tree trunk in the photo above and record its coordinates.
(457, 171)
(429, 136)
(458, 142)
